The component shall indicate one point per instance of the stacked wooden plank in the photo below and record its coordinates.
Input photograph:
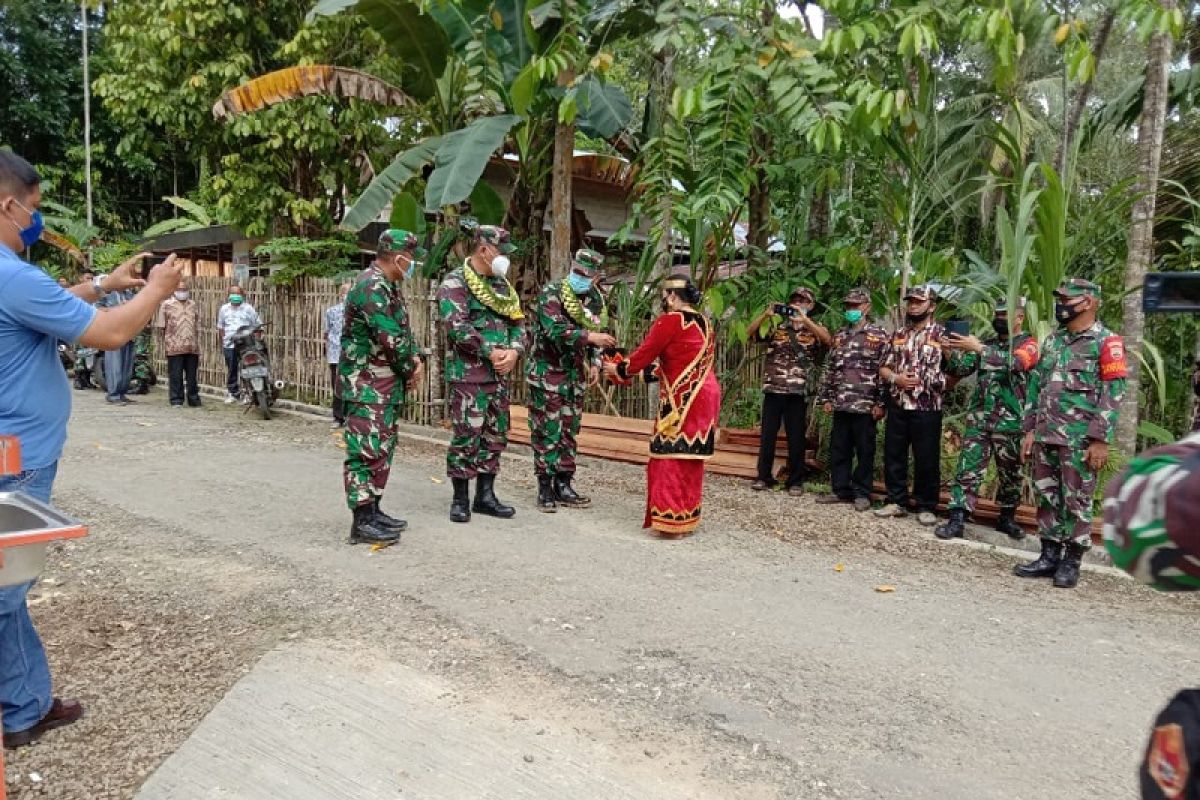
(628, 440)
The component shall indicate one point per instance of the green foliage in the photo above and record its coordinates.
(462, 157)
(294, 257)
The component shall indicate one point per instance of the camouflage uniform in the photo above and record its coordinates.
(993, 423)
(478, 397)
(557, 372)
(793, 355)
(853, 387)
(1073, 399)
(378, 356)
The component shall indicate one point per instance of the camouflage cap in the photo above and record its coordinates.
(1003, 304)
(1152, 516)
(1077, 287)
(804, 293)
(922, 292)
(587, 262)
(398, 240)
(857, 297)
(495, 236)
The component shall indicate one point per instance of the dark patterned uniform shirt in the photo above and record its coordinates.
(852, 380)
(378, 349)
(792, 357)
(1077, 387)
(559, 357)
(918, 351)
(473, 330)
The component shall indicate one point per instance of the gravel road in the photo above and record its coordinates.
(754, 660)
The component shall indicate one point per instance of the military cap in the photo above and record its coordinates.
(587, 262)
(1077, 287)
(857, 297)
(1152, 516)
(804, 293)
(495, 236)
(1003, 304)
(398, 240)
(922, 292)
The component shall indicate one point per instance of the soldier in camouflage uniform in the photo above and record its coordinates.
(1070, 420)
(852, 392)
(993, 424)
(795, 346)
(564, 360)
(485, 338)
(379, 358)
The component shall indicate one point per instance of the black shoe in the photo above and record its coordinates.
(388, 522)
(1045, 565)
(1067, 574)
(567, 495)
(460, 506)
(547, 501)
(367, 529)
(952, 528)
(486, 501)
(1007, 524)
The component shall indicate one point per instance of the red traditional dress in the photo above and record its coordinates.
(686, 429)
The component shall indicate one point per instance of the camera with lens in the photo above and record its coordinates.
(784, 310)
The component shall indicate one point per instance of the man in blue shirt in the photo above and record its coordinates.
(35, 404)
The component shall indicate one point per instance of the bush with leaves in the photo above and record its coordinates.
(294, 257)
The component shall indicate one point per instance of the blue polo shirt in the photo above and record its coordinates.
(35, 398)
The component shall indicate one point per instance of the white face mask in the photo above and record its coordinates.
(182, 294)
(500, 266)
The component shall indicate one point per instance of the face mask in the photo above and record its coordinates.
(579, 284)
(412, 269)
(919, 316)
(32, 232)
(500, 265)
(853, 315)
(1000, 326)
(182, 294)
(1065, 313)
(236, 299)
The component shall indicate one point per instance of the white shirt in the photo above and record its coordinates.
(232, 317)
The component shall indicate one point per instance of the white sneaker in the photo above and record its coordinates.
(927, 518)
(229, 399)
(890, 510)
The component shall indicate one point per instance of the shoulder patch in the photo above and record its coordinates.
(1167, 761)
(1113, 364)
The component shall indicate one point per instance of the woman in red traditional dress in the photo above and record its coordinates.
(681, 340)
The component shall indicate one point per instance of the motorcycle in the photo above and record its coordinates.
(254, 368)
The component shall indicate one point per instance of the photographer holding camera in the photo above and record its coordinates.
(795, 343)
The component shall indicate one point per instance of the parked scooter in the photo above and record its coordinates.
(254, 368)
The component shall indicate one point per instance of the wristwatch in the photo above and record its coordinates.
(96, 284)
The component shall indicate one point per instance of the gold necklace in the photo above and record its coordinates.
(506, 306)
(579, 312)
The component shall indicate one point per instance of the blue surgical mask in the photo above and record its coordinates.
(412, 268)
(32, 232)
(853, 315)
(579, 284)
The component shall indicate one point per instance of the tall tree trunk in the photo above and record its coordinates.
(760, 189)
(560, 191)
(1141, 229)
(662, 80)
(1080, 98)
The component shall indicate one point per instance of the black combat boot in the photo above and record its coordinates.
(387, 521)
(1045, 565)
(1007, 524)
(367, 529)
(486, 501)
(460, 506)
(1067, 574)
(952, 528)
(547, 501)
(566, 494)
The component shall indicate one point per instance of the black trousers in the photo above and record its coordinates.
(339, 412)
(180, 368)
(920, 432)
(790, 410)
(851, 439)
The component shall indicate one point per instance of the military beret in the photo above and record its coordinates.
(923, 292)
(804, 293)
(587, 262)
(1152, 516)
(1077, 287)
(495, 236)
(857, 297)
(398, 240)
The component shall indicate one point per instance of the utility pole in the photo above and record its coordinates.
(87, 113)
